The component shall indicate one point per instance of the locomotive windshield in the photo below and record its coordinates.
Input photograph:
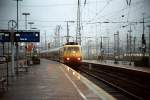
(72, 49)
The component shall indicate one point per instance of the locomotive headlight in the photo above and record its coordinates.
(78, 58)
(68, 58)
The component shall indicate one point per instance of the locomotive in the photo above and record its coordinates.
(69, 54)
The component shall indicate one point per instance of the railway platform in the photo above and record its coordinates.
(53, 81)
(120, 64)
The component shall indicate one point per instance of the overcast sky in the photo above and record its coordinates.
(47, 14)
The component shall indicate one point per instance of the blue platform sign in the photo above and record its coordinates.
(27, 37)
(4, 37)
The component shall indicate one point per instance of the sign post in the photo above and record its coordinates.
(13, 26)
(12, 53)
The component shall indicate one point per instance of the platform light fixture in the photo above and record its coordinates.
(26, 14)
(30, 23)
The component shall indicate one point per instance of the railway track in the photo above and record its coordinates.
(110, 88)
(123, 84)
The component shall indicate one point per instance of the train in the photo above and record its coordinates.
(69, 54)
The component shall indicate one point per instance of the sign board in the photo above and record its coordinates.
(4, 37)
(27, 36)
(20, 36)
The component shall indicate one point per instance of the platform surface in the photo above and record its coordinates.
(53, 81)
(120, 64)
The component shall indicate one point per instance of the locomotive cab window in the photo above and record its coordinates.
(73, 49)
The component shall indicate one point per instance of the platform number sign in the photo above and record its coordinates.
(27, 37)
(4, 37)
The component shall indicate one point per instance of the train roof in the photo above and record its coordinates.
(50, 50)
(57, 49)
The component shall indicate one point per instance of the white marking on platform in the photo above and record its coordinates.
(76, 87)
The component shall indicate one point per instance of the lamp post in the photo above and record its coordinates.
(12, 46)
(17, 31)
(18, 13)
(107, 44)
(130, 44)
(78, 32)
(88, 47)
(116, 47)
(45, 41)
(30, 23)
(149, 44)
(26, 14)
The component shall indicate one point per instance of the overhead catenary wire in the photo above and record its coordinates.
(99, 12)
(56, 5)
(134, 4)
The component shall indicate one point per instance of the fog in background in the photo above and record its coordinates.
(47, 14)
